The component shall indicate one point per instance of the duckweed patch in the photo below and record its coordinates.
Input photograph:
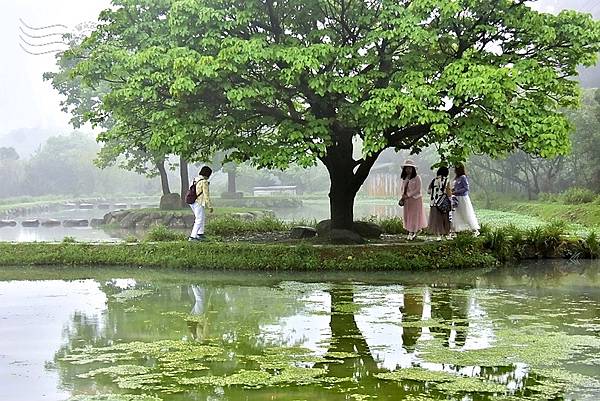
(417, 374)
(129, 295)
(471, 385)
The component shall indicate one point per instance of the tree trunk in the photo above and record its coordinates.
(185, 179)
(164, 178)
(341, 202)
(343, 183)
(231, 182)
(346, 176)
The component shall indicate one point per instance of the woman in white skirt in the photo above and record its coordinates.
(463, 216)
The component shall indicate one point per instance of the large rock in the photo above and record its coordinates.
(301, 232)
(345, 237)
(96, 222)
(243, 216)
(367, 229)
(363, 228)
(189, 219)
(170, 202)
(323, 228)
(130, 221)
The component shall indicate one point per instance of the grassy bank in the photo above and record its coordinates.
(586, 214)
(422, 256)
(464, 252)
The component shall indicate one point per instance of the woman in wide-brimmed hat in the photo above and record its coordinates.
(412, 200)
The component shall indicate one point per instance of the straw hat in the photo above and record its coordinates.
(409, 163)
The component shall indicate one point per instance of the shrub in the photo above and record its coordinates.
(391, 225)
(498, 242)
(227, 225)
(69, 240)
(131, 239)
(548, 197)
(576, 196)
(590, 246)
(161, 233)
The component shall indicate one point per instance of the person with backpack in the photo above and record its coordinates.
(198, 197)
(414, 219)
(440, 205)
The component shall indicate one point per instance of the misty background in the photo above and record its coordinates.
(46, 146)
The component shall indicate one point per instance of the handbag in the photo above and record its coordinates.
(443, 202)
(401, 201)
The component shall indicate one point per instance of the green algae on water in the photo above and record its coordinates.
(471, 385)
(129, 295)
(417, 374)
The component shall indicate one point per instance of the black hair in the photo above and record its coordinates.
(405, 174)
(442, 172)
(459, 169)
(205, 171)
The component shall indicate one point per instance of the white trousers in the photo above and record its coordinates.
(199, 222)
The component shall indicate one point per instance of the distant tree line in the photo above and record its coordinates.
(63, 165)
(532, 176)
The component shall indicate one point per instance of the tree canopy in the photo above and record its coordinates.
(280, 82)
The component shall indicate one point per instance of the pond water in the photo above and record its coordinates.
(19, 233)
(516, 333)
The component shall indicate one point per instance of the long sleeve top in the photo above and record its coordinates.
(461, 186)
(413, 188)
(203, 192)
(439, 186)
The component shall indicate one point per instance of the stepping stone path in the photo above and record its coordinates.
(76, 223)
(51, 223)
(30, 223)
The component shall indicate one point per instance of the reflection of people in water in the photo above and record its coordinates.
(435, 304)
(197, 324)
(447, 310)
(411, 311)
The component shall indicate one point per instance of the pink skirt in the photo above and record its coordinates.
(414, 215)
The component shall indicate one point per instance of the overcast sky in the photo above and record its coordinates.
(28, 102)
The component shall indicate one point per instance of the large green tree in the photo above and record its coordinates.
(84, 102)
(278, 82)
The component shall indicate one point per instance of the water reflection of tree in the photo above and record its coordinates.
(233, 314)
